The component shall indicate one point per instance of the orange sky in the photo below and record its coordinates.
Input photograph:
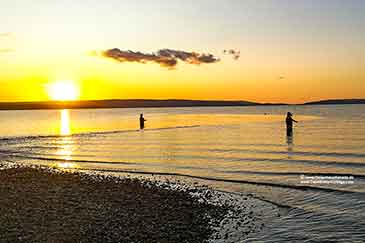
(289, 53)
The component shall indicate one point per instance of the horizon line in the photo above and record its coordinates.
(180, 99)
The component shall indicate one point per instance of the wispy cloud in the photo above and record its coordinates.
(6, 50)
(5, 34)
(165, 57)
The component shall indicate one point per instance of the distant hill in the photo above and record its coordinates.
(336, 102)
(130, 103)
(140, 103)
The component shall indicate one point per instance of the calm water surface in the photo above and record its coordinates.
(239, 149)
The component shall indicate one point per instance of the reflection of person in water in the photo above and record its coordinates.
(290, 143)
(289, 124)
(141, 121)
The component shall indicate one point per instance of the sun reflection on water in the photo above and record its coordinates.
(66, 165)
(65, 142)
(65, 153)
(65, 128)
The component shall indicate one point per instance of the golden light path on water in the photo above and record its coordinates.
(65, 128)
(66, 141)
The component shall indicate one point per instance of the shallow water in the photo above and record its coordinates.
(239, 149)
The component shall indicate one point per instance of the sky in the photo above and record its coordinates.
(290, 51)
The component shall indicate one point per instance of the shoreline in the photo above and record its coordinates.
(158, 103)
(44, 204)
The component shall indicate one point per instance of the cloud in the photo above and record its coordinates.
(6, 50)
(165, 57)
(236, 54)
(5, 34)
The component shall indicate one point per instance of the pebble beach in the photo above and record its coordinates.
(40, 204)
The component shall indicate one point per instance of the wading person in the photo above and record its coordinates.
(289, 124)
(141, 121)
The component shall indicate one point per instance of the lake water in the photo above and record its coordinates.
(237, 149)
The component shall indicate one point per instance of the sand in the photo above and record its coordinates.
(39, 204)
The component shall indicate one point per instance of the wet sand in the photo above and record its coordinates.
(46, 205)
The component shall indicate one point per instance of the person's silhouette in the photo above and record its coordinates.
(289, 124)
(141, 121)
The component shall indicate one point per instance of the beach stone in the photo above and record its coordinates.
(39, 205)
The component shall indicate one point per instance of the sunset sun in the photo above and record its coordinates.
(63, 90)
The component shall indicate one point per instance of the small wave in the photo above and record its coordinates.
(17, 138)
(336, 155)
(191, 176)
(302, 161)
(40, 147)
(260, 198)
(274, 160)
(303, 188)
(291, 173)
(283, 160)
(70, 160)
(215, 158)
(302, 153)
